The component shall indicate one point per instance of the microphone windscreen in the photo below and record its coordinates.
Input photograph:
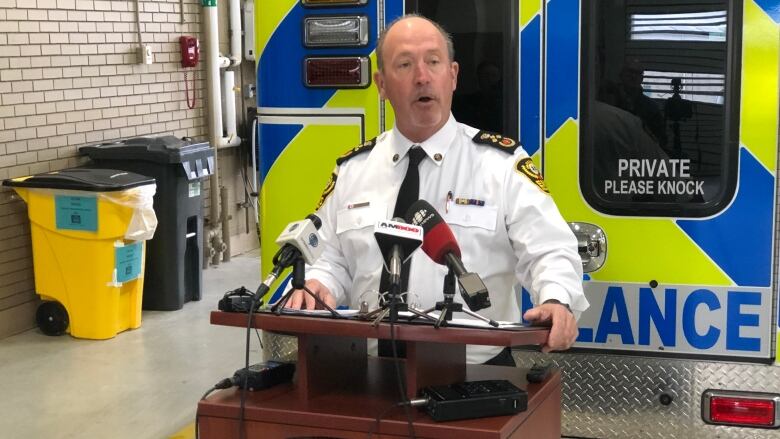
(315, 220)
(438, 239)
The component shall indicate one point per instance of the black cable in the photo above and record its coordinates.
(400, 380)
(241, 427)
(383, 413)
(259, 340)
(224, 384)
(378, 418)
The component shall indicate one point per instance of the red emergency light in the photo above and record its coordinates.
(337, 72)
(744, 409)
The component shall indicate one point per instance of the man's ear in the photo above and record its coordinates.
(379, 80)
(454, 71)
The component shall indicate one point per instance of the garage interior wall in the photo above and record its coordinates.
(70, 76)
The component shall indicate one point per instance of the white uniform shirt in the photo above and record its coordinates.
(517, 236)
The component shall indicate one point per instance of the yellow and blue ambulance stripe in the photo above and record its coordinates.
(296, 159)
(760, 61)
(737, 238)
(732, 248)
(530, 75)
(562, 58)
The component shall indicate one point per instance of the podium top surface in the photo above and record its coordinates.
(425, 332)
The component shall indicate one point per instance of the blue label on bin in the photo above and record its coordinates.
(76, 213)
(128, 262)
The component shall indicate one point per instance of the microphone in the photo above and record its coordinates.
(300, 245)
(301, 236)
(440, 245)
(397, 241)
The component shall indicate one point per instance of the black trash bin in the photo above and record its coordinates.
(174, 256)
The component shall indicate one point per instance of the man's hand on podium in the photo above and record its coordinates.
(301, 300)
(563, 332)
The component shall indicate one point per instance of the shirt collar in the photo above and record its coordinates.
(435, 146)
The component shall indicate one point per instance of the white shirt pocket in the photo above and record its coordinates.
(483, 217)
(354, 218)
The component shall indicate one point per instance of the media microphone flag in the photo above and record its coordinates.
(298, 240)
(302, 235)
(300, 245)
(397, 241)
(397, 234)
(440, 245)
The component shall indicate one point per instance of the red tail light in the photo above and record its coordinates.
(746, 409)
(343, 72)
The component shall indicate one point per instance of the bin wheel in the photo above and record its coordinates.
(52, 318)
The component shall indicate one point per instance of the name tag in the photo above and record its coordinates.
(359, 215)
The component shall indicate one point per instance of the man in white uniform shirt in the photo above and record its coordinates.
(484, 186)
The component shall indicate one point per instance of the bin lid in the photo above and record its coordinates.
(83, 179)
(163, 149)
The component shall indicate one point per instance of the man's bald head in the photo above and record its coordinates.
(383, 36)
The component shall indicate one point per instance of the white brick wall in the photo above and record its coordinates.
(69, 77)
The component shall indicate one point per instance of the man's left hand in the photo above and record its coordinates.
(564, 330)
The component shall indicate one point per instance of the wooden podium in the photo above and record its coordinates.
(338, 390)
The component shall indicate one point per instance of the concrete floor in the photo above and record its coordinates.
(144, 383)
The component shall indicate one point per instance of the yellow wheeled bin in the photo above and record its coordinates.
(89, 228)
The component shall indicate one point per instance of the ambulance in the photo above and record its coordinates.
(655, 124)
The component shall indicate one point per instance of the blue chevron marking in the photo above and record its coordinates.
(740, 239)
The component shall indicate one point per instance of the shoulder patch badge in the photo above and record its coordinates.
(328, 188)
(365, 147)
(525, 166)
(496, 140)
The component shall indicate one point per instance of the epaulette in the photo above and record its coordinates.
(496, 141)
(365, 147)
(328, 188)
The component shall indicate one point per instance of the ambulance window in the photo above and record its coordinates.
(660, 106)
(483, 32)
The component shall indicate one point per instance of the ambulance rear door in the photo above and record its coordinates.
(659, 127)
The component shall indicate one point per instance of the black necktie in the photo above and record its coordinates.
(410, 187)
(408, 193)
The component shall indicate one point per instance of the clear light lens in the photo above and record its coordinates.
(341, 72)
(336, 31)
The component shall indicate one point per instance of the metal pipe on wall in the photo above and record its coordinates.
(225, 216)
(214, 117)
(229, 92)
(234, 11)
(219, 218)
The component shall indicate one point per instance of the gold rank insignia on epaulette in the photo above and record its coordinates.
(496, 140)
(365, 147)
(328, 188)
(526, 166)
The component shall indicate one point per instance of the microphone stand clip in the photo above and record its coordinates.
(448, 306)
(286, 257)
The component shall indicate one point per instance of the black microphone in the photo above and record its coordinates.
(442, 247)
(397, 241)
